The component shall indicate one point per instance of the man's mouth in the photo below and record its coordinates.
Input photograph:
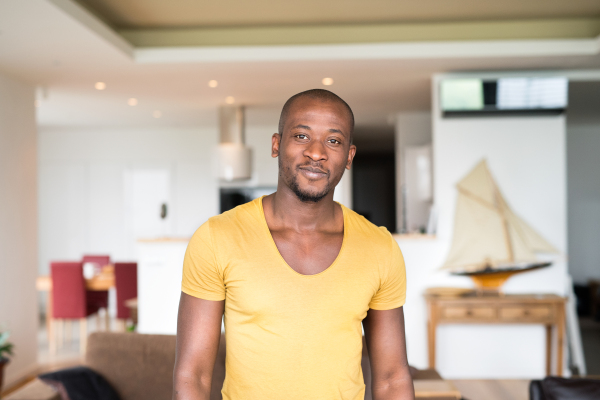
(312, 172)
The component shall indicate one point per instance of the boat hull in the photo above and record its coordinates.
(493, 279)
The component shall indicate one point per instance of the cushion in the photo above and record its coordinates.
(80, 383)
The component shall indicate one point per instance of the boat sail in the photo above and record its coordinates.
(490, 242)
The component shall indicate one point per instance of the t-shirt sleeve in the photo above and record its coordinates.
(392, 291)
(201, 273)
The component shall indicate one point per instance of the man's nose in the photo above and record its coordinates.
(316, 151)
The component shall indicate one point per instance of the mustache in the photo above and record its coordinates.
(314, 167)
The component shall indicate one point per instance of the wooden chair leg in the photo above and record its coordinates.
(52, 337)
(68, 331)
(59, 332)
(107, 319)
(82, 335)
(98, 320)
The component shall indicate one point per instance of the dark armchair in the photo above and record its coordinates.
(553, 388)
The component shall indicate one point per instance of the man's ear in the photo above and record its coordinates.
(275, 143)
(351, 155)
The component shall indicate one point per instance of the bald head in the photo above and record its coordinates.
(315, 94)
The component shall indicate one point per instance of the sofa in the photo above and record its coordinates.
(140, 367)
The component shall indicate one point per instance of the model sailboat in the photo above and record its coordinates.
(491, 243)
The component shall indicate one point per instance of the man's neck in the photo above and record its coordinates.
(288, 211)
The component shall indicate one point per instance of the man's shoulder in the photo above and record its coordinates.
(237, 217)
(228, 227)
(368, 231)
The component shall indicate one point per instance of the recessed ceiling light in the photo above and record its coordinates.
(327, 81)
(229, 100)
(100, 85)
(132, 102)
(212, 83)
(157, 114)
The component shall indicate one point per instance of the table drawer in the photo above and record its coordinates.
(465, 312)
(526, 313)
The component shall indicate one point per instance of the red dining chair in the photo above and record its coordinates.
(126, 285)
(98, 297)
(70, 299)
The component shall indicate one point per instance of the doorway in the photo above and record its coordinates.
(374, 177)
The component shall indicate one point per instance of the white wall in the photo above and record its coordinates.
(82, 187)
(526, 155)
(18, 223)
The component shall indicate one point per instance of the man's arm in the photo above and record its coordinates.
(384, 333)
(198, 334)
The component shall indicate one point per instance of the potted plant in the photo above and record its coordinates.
(5, 349)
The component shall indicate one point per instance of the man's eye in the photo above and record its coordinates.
(301, 136)
(334, 141)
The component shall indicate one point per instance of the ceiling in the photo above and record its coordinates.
(195, 13)
(45, 46)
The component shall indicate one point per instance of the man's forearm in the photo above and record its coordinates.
(395, 388)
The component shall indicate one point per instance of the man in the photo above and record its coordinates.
(295, 274)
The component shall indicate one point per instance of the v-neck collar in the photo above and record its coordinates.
(274, 245)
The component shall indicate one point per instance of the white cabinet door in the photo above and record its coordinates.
(159, 285)
(147, 197)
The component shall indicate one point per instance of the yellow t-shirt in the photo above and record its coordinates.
(292, 336)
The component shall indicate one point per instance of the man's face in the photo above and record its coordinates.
(314, 148)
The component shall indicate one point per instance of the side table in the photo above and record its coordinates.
(544, 309)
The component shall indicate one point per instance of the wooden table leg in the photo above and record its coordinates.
(560, 334)
(431, 328)
(548, 350)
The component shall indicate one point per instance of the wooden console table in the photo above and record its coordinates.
(547, 309)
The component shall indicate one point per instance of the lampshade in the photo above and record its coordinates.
(235, 161)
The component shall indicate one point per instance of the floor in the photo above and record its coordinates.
(68, 351)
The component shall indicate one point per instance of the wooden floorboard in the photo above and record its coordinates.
(488, 389)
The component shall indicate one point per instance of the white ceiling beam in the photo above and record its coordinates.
(371, 51)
